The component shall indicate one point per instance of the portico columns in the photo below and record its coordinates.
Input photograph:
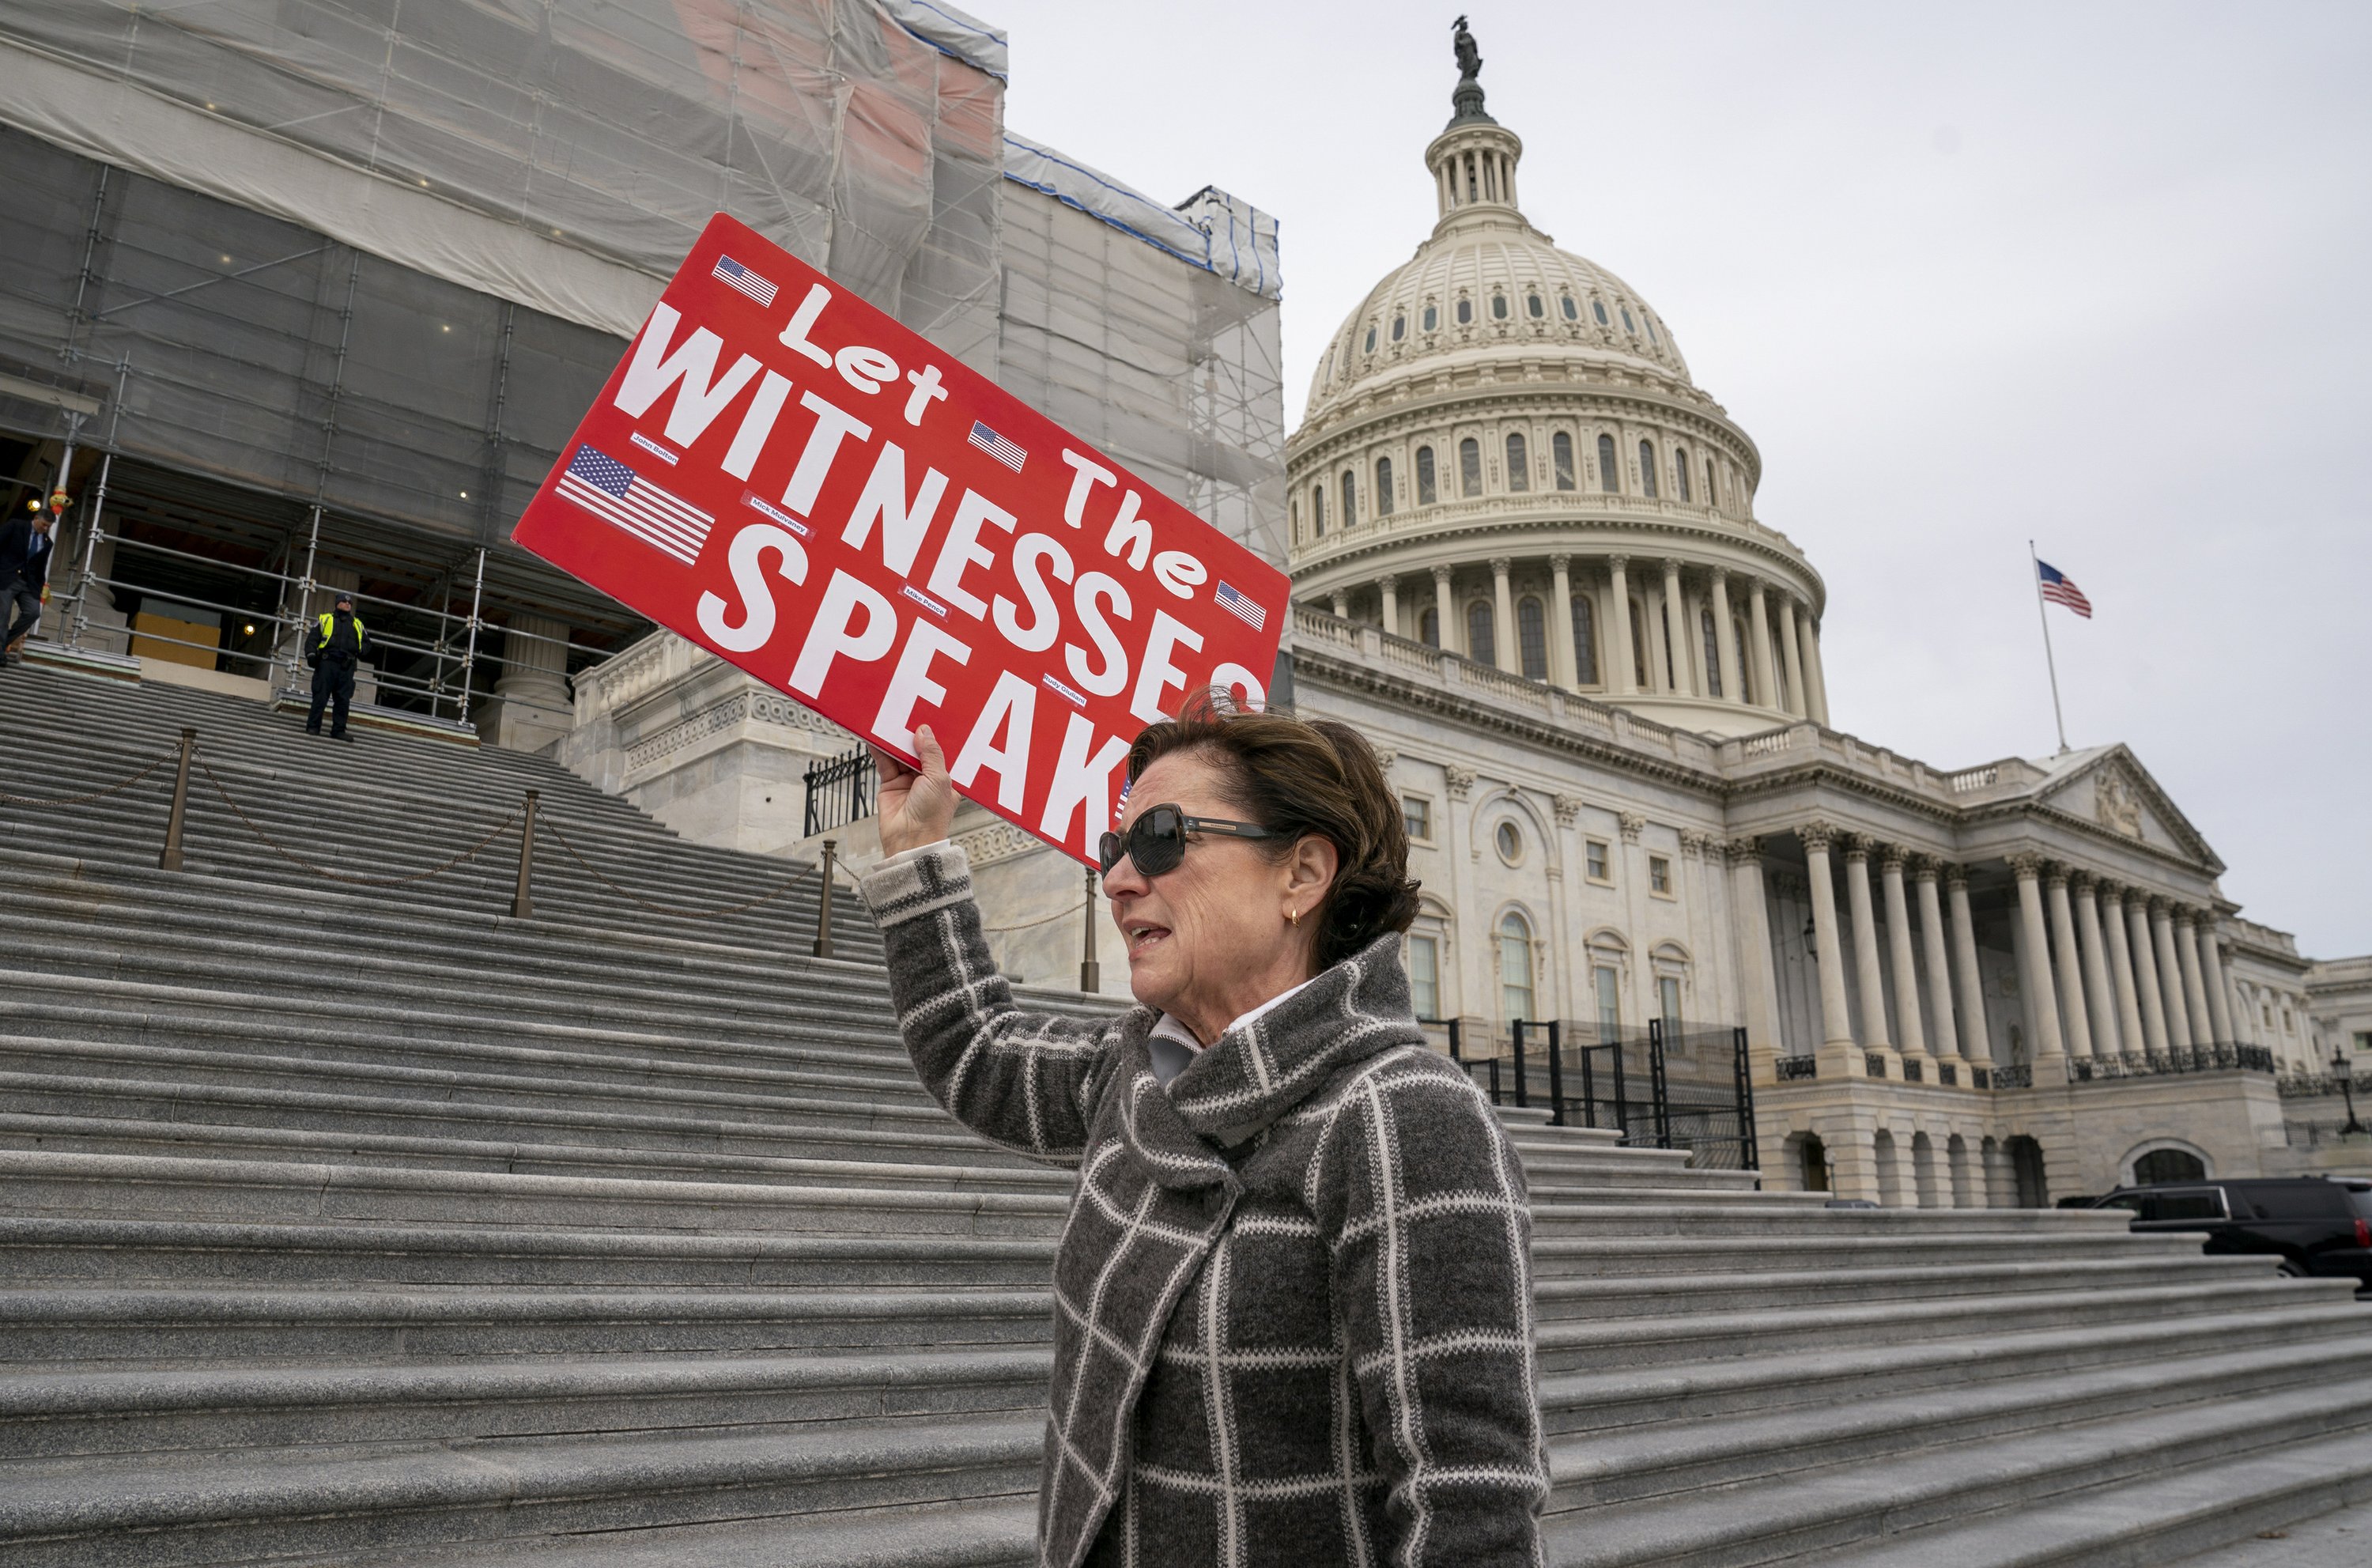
(1561, 669)
(1758, 984)
(1342, 605)
(1946, 1042)
(2098, 998)
(1618, 591)
(1866, 960)
(1816, 676)
(1977, 1039)
(2195, 988)
(1910, 1033)
(1445, 611)
(1757, 626)
(1503, 652)
(1390, 588)
(1675, 640)
(2219, 994)
(2121, 968)
(2034, 971)
(1788, 651)
(2153, 998)
(2170, 974)
(1838, 1056)
(2068, 965)
(1725, 636)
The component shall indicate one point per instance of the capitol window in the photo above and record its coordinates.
(1520, 467)
(1428, 628)
(1515, 966)
(1533, 638)
(1510, 842)
(1350, 500)
(1680, 471)
(1383, 487)
(1597, 308)
(1432, 318)
(1371, 338)
(1713, 490)
(1482, 645)
(1626, 320)
(1400, 328)
(1416, 811)
(1585, 643)
(1470, 467)
(1318, 511)
(1647, 470)
(1565, 303)
(1465, 313)
(1426, 495)
(1610, 480)
(1596, 861)
(1712, 654)
(1561, 458)
(1651, 328)
(1498, 307)
(1532, 304)
(1659, 875)
(1425, 976)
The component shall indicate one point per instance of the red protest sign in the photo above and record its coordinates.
(787, 476)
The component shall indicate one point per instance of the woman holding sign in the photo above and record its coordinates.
(1293, 1304)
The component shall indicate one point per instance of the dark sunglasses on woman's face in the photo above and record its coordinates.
(1155, 842)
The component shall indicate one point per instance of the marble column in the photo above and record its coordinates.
(2099, 998)
(1725, 636)
(1910, 1033)
(1944, 1038)
(1816, 675)
(1620, 677)
(1676, 622)
(1504, 651)
(1871, 983)
(1758, 975)
(1758, 627)
(2169, 974)
(1389, 587)
(2121, 968)
(2067, 967)
(532, 706)
(1560, 664)
(1967, 979)
(2153, 997)
(2194, 987)
(1445, 609)
(2050, 1049)
(1342, 605)
(1789, 652)
(2219, 991)
(1839, 1057)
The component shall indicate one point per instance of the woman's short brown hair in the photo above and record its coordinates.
(1301, 777)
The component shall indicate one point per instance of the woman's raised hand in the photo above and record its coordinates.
(916, 805)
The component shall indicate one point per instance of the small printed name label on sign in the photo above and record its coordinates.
(783, 474)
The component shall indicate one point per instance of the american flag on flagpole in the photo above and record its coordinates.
(2059, 588)
(617, 494)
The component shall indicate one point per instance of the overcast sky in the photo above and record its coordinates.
(2095, 274)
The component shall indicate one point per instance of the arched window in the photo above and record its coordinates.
(1294, 505)
(1778, 671)
(1651, 328)
(1426, 495)
(1712, 654)
(1515, 966)
(1399, 327)
(1465, 313)
(1609, 479)
(1370, 347)
(1533, 638)
(1432, 318)
(1383, 487)
(1713, 490)
(2168, 1165)
(1470, 467)
(1520, 467)
(1565, 302)
(1626, 321)
(1585, 643)
(1639, 647)
(1428, 628)
(1318, 511)
(1498, 307)
(1745, 663)
(1647, 470)
(1598, 309)
(1533, 305)
(1350, 500)
(1561, 458)
(1482, 646)
(1680, 469)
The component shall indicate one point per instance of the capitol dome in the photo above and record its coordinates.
(1504, 457)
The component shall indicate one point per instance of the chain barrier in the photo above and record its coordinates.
(1079, 908)
(583, 865)
(95, 795)
(273, 845)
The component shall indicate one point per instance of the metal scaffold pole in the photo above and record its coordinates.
(470, 655)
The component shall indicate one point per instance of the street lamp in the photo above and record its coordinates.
(2342, 1069)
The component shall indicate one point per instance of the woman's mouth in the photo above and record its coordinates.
(1142, 935)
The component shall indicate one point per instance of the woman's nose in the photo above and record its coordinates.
(1123, 881)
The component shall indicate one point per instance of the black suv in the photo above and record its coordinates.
(2316, 1224)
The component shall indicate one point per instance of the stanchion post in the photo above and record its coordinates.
(823, 902)
(523, 895)
(1557, 1074)
(1090, 972)
(171, 860)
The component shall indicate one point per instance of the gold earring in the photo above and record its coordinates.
(1292, 917)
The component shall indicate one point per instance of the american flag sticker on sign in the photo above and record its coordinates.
(733, 275)
(616, 493)
(997, 447)
(1248, 611)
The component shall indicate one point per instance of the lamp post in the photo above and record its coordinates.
(2342, 1069)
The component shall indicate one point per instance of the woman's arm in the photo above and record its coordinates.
(1020, 1079)
(1420, 1198)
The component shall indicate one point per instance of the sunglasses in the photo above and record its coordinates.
(1155, 842)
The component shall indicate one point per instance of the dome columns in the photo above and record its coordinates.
(1503, 652)
(1561, 619)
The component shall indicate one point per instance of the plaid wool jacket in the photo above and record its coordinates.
(1293, 1295)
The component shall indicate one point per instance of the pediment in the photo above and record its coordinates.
(2114, 792)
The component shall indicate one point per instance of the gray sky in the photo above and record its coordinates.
(2090, 273)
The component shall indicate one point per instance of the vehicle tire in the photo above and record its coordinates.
(2292, 1269)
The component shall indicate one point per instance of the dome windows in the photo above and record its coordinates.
(1647, 470)
(1585, 643)
(1626, 321)
(1465, 313)
(1520, 467)
(1432, 318)
(1597, 308)
(1533, 638)
(1566, 304)
(1425, 494)
(1561, 458)
(1383, 487)
(1400, 326)
(1370, 347)
(1350, 499)
(1533, 307)
(1680, 471)
(1651, 328)
(1498, 307)
(1318, 511)
(1481, 642)
(1610, 479)
(1469, 468)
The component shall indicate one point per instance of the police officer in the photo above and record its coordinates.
(337, 645)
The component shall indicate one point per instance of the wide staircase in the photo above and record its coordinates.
(357, 1225)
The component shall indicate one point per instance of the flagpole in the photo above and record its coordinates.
(2042, 611)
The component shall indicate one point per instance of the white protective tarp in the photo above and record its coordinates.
(1211, 229)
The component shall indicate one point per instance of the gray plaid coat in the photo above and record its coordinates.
(1293, 1297)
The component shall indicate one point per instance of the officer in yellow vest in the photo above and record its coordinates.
(337, 645)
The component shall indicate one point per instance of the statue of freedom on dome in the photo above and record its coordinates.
(1470, 56)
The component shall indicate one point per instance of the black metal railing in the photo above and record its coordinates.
(2152, 1064)
(1913, 1073)
(1873, 1063)
(1678, 1090)
(1986, 1079)
(2017, 1075)
(1948, 1075)
(1788, 1069)
(839, 792)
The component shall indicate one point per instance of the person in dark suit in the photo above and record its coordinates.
(25, 550)
(337, 645)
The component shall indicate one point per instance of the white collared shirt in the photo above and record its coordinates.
(1168, 1064)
